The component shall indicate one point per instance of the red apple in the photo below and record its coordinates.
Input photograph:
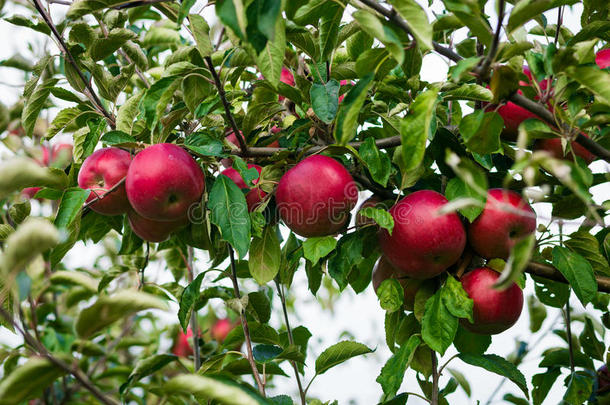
(163, 182)
(221, 329)
(602, 58)
(101, 171)
(287, 77)
(555, 148)
(506, 218)
(61, 154)
(182, 346)
(372, 201)
(384, 270)
(45, 160)
(153, 231)
(255, 195)
(30, 192)
(314, 198)
(494, 310)
(424, 243)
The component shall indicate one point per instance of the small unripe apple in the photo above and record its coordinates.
(372, 201)
(494, 311)
(100, 172)
(182, 346)
(555, 148)
(315, 197)
(602, 58)
(255, 195)
(424, 242)
(384, 270)
(506, 219)
(220, 329)
(153, 231)
(163, 182)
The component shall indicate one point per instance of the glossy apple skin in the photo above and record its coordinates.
(384, 270)
(423, 243)
(163, 181)
(602, 58)
(553, 146)
(182, 347)
(255, 195)
(100, 172)
(221, 329)
(494, 311)
(314, 198)
(506, 218)
(361, 221)
(153, 231)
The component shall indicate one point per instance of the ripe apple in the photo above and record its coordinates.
(494, 310)
(384, 270)
(101, 171)
(220, 329)
(602, 58)
(182, 346)
(255, 195)
(555, 148)
(423, 243)
(372, 201)
(153, 231)
(506, 218)
(314, 198)
(163, 181)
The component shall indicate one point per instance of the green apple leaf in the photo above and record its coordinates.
(265, 256)
(390, 294)
(316, 248)
(325, 100)
(378, 163)
(393, 372)
(439, 326)
(339, 353)
(578, 271)
(498, 365)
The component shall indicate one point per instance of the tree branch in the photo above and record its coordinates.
(551, 273)
(483, 69)
(435, 375)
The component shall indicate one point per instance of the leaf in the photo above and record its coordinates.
(203, 144)
(128, 112)
(497, 365)
(390, 294)
(70, 206)
(103, 47)
(34, 104)
(416, 128)
(595, 80)
(230, 213)
(109, 309)
(481, 131)
(189, 297)
(206, 388)
(32, 237)
(529, 9)
(393, 372)
(537, 312)
(378, 163)
(461, 380)
(577, 270)
(66, 118)
(201, 33)
(329, 29)
(590, 343)
(316, 248)
(417, 20)
(470, 14)
(29, 380)
(469, 91)
(150, 101)
(195, 89)
(232, 14)
(19, 173)
(347, 116)
(439, 326)
(80, 8)
(338, 353)
(586, 245)
(519, 258)
(457, 190)
(383, 32)
(146, 367)
(30, 22)
(114, 138)
(579, 389)
(542, 384)
(74, 278)
(456, 300)
(381, 217)
(271, 59)
(266, 353)
(325, 100)
(265, 256)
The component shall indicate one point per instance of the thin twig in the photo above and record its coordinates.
(434, 395)
(194, 322)
(483, 69)
(559, 22)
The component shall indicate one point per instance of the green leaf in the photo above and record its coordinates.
(150, 101)
(218, 389)
(589, 342)
(469, 91)
(542, 384)
(29, 380)
(114, 138)
(70, 206)
(30, 22)
(461, 380)
(519, 258)
(382, 217)
(497, 365)
(481, 131)
(578, 271)
(595, 80)
(34, 104)
(189, 297)
(271, 59)
(393, 372)
(19, 173)
(316, 248)
(580, 387)
(339, 353)
(109, 309)
(378, 163)
(201, 33)
(470, 14)
(586, 245)
(417, 20)
(347, 117)
(203, 144)
(325, 100)
(416, 128)
(439, 326)
(537, 312)
(233, 15)
(265, 256)
(128, 113)
(471, 201)
(32, 237)
(329, 29)
(529, 9)
(67, 117)
(83, 7)
(196, 89)
(74, 278)
(456, 300)
(266, 353)
(383, 32)
(146, 367)
(103, 47)
(230, 214)
(390, 294)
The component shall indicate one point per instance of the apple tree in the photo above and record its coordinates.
(226, 144)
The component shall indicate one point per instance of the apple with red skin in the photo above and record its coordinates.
(344, 83)
(603, 378)
(506, 219)
(314, 198)
(384, 270)
(424, 242)
(602, 58)
(163, 181)
(153, 231)
(255, 196)
(220, 329)
(182, 346)
(555, 148)
(100, 172)
(494, 311)
(372, 201)
(30, 192)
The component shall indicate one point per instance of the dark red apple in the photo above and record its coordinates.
(314, 198)
(384, 270)
(182, 346)
(555, 148)
(494, 310)
(361, 221)
(424, 243)
(153, 231)
(220, 329)
(100, 172)
(506, 218)
(163, 182)
(255, 195)
(602, 58)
